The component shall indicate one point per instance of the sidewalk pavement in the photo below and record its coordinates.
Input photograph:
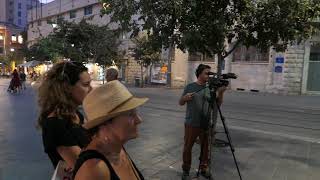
(261, 156)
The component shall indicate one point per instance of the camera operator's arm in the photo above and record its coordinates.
(185, 98)
(220, 93)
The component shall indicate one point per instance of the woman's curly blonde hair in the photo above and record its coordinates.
(54, 92)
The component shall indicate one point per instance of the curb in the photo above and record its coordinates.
(249, 90)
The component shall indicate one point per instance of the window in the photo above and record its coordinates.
(19, 5)
(1, 50)
(193, 56)
(88, 10)
(20, 39)
(251, 54)
(14, 38)
(11, 3)
(19, 13)
(1, 36)
(197, 56)
(73, 14)
(19, 21)
(10, 20)
(60, 18)
(315, 53)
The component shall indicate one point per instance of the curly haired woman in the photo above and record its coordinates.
(61, 91)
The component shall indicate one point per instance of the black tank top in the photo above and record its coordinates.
(93, 154)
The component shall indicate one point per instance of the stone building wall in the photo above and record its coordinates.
(133, 69)
(293, 70)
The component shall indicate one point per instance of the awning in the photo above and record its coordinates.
(30, 64)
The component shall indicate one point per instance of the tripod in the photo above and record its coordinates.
(213, 102)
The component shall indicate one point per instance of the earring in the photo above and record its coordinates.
(106, 139)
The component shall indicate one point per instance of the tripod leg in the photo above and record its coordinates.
(230, 141)
(231, 147)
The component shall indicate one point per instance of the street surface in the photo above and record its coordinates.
(275, 137)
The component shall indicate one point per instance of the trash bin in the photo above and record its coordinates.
(137, 81)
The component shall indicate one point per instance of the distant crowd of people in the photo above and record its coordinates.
(18, 80)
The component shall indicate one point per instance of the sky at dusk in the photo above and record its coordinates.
(46, 1)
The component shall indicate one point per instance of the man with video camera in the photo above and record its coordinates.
(197, 96)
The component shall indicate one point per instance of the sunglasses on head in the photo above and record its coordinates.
(63, 75)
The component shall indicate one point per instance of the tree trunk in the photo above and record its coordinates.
(141, 79)
(104, 73)
(169, 74)
(150, 72)
(219, 67)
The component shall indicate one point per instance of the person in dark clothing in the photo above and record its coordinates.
(112, 122)
(111, 74)
(23, 78)
(15, 82)
(61, 91)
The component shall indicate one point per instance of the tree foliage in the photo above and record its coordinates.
(145, 53)
(208, 26)
(45, 49)
(80, 42)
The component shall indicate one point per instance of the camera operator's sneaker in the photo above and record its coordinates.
(185, 175)
(205, 173)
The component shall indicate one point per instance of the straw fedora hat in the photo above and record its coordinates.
(108, 101)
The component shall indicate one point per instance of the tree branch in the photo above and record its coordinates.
(232, 49)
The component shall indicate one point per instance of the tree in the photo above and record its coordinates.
(88, 42)
(82, 42)
(217, 26)
(47, 48)
(145, 53)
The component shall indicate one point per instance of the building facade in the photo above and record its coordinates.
(293, 72)
(14, 12)
(13, 21)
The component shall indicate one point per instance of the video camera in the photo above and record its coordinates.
(216, 81)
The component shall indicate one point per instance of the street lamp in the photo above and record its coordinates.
(12, 49)
(54, 25)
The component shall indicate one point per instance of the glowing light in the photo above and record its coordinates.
(14, 38)
(20, 39)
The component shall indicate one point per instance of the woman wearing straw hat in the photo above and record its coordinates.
(112, 121)
(60, 93)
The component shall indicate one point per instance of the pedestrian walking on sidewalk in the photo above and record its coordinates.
(15, 84)
(196, 95)
(61, 91)
(112, 121)
(23, 79)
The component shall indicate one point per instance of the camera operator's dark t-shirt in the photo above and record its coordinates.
(198, 108)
